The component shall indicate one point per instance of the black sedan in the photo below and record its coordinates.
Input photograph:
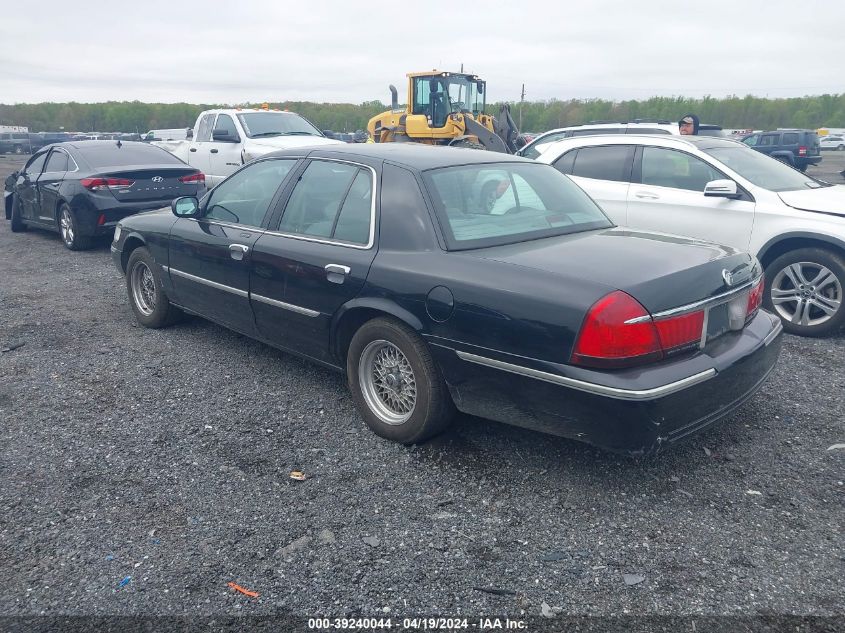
(442, 279)
(81, 190)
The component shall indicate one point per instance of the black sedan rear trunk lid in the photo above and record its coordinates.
(660, 271)
(151, 182)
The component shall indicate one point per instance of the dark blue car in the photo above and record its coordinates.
(82, 189)
(443, 279)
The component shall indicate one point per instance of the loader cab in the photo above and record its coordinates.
(439, 95)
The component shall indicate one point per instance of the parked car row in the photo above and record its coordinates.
(552, 293)
(31, 142)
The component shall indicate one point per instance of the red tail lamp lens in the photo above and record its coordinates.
(681, 331)
(755, 298)
(608, 338)
(619, 332)
(96, 184)
(197, 178)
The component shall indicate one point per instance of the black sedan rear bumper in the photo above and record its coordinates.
(633, 411)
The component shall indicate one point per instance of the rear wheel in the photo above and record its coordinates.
(840, 148)
(18, 149)
(151, 306)
(17, 223)
(70, 231)
(395, 383)
(804, 288)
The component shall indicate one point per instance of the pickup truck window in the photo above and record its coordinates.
(204, 131)
(265, 124)
(226, 124)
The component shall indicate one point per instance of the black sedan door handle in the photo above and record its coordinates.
(336, 273)
(237, 251)
(214, 151)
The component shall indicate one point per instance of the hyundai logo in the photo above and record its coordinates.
(157, 179)
(728, 277)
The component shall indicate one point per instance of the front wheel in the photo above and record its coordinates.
(804, 288)
(395, 383)
(17, 223)
(840, 148)
(151, 306)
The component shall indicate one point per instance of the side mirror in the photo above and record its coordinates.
(721, 189)
(224, 136)
(185, 207)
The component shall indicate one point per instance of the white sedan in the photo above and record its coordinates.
(721, 191)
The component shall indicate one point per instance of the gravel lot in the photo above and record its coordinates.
(164, 456)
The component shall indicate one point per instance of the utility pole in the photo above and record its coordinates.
(521, 99)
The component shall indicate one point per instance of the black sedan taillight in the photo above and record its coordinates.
(197, 178)
(101, 184)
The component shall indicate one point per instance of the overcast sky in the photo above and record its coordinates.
(346, 51)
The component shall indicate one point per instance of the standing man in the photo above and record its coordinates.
(688, 124)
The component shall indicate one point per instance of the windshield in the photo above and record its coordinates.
(504, 203)
(265, 124)
(762, 170)
(464, 95)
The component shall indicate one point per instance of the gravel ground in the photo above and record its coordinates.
(164, 456)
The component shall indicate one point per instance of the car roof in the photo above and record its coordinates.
(414, 155)
(699, 142)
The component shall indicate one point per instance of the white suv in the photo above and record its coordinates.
(722, 191)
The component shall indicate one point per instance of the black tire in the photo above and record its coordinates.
(803, 168)
(840, 148)
(809, 262)
(18, 149)
(17, 224)
(151, 306)
(467, 144)
(70, 233)
(432, 409)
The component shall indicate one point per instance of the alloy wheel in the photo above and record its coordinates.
(66, 225)
(143, 288)
(387, 382)
(806, 294)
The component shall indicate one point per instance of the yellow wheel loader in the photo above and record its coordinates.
(445, 108)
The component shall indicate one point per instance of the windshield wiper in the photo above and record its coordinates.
(267, 134)
(299, 134)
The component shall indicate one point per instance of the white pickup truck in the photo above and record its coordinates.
(224, 140)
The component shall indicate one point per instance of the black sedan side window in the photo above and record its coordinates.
(57, 162)
(245, 196)
(33, 167)
(331, 200)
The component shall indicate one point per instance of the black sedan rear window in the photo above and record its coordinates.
(503, 203)
(110, 155)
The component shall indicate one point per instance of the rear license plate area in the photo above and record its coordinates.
(718, 321)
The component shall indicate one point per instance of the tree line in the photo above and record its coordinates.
(730, 112)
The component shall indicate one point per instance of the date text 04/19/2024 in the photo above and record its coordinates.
(421, 624)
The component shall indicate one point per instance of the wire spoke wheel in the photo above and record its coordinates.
(387, 382)
(806, 293)
(143, 288)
